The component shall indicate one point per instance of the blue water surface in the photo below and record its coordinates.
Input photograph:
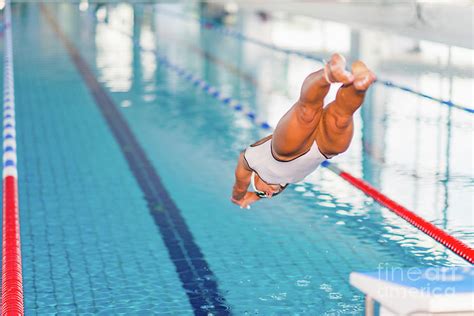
(89, 243)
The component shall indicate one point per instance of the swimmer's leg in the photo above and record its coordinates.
(295, 131)
(335, 131)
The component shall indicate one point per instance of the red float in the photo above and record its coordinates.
(431, 230)
(12, 288)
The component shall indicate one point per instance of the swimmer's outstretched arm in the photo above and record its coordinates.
(242, 179)
(240, 195)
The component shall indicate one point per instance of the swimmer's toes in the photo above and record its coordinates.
(337, 70)
(363, 76)
(337, 59)
(359, 67)
(346, 77)
(364, 80)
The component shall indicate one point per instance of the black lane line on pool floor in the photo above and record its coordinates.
(197, 278)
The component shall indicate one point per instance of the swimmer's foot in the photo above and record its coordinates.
(351, 96)
(335, 70)
(316, 85)
(363, 77)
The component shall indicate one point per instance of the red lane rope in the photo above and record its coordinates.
(12, 289)
(12, 281)
(431, 230)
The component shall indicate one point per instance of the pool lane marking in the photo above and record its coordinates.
(194, 272)
(242, 37)
(450, 242)
(12, 280)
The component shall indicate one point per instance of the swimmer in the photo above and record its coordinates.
(306, 135)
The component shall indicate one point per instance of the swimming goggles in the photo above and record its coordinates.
(262, 194)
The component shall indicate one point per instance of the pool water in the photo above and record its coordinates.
(92, 243)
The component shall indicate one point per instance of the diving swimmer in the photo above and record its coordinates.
(306, 135)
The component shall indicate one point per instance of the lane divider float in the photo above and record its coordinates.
(12, 281)
(450, 242)
(240, 36)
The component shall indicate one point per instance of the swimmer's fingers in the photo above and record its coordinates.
(240, 203)
(244, 203)
(249, 198)
(237, 202)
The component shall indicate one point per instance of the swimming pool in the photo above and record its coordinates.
(125, 172)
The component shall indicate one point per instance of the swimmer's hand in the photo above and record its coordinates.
(249, 198)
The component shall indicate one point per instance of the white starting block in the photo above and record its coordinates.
(418, 291)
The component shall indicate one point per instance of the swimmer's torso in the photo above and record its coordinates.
(272, 170)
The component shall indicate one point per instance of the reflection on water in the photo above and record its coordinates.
(115, 51)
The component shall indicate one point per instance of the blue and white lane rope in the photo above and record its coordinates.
(9, 131)
(213, 91)
(210, 90)
(233, 33)
(12, 279)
